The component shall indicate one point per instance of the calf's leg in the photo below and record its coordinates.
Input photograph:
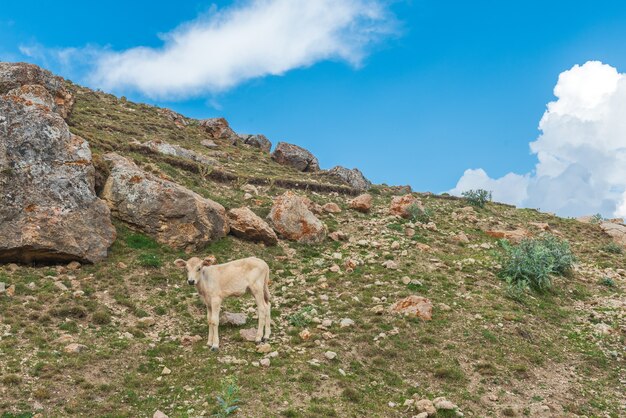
(215, 322)
(268, 321)
(260, 305)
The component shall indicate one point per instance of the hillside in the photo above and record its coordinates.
(142, 330)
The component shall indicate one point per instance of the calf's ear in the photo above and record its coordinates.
(209, 260)
(180, 263)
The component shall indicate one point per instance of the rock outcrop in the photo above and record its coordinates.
(179, 120)
(16, 75)
(292, 220)
(219, 129)
(257, 141)
(172, 214)
(247, 225)
(166, 148)
(616, 231)
(515, 235)
(49, 211)
(352, 177)
(296, 157)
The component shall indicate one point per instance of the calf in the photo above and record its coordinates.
(215, 282)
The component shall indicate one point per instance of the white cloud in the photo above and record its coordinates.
(581, 150)
(251, 39)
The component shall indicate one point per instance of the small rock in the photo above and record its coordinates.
(189, 339)
(395, 245)
(346, 322)
(423, 247)
(421, 415)
(390, 264)
(30, 285)
(263, 348)
(602, 328)
(444, 307)
(166, 371)
(338, 236)
(146, 322)
(335, 268)
(330, 355)
(60, 286)
(442, 403)
(362, 203)
(425, 406)
(416, 306)
(236, 319)
(73, 265)
(331, 208)
(406, 280)
(265, 362)
(64, 339)
(122, 265)
(305, 334)
(248, 334)
(159, 414)
(327, 323)
(378, 309)
(74, 348)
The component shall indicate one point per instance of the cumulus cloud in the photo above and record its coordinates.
(251, 39)
(581, 151)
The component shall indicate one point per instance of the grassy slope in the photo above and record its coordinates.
(491, 355)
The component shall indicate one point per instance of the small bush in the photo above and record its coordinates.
(419, 214)
(101, 317)
(596, 219)
(477, 197)
(607, 281)
(532, 263)
(150, 260)
(228, 398)
(301, 318)
(613, 248)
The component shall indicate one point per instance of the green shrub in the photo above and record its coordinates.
(532, 263)
(150, 260)
(613, 248)
(419, 214)
(607, 281)
(228, 400)
(596, 219)
(301, 318)
(477, 197)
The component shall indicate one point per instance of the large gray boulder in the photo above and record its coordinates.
(15, 75)
(291, 219)
(257, 141)
(49, 211)
(245, 224)
(218, 128)
(353, 177)
(296, 157)
(172, 214)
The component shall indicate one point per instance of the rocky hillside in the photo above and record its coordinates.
(385, 302)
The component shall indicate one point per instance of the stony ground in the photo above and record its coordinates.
(126, 337)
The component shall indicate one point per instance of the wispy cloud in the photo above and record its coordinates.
(223, 48)
(581, 151)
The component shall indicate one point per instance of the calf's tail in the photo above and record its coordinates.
(266, 289)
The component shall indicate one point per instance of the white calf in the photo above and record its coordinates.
(217, 282)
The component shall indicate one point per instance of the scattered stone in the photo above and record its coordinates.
(423, 247)
(159, 414)
(248, 334)
(208, 143)
(146, 322)
(346, 322)
(246, 224)
(292, 220)
(444, 307)
(460, 238)
(166, 371)
(296, 157)
(425, 406)
(265, 362)
(331, 207)
(354, 178)
(330, 355)
(187, 340)
(166, 148)
(400, 204)
(406, 280)
(235, 319)
(172, 214)
(514, 236)
(362, 203)
(74, 265)
(11, 291)
(395, 245)
(64, 339)
(602, 328)
(390, 264)
(263, 348)
(442, 403)
(179, 120)
(60, 286)
(378, 309)
(409, 232)
(415, 306)
(540, 225)
(338, 236)
(74, 348)
(335, 268)
(305, 334)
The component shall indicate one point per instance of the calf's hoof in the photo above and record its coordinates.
(258, 342)
(264, 339)
(214, 348)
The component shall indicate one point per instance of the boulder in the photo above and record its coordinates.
(296, 157)
(15, 75)
(246, 224)
(616, 231)
(172, 214)
(166, 148)
(400, 205)
(413, 306)
(362, 203)
(233, 318)
(218, 128)
(179, 120)
(352, 177)
(257, 141)
(331, 207)
(292, 220)
(49, 211)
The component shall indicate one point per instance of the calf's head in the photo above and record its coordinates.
(194, 267)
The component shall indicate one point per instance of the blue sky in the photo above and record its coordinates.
(445, 87)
